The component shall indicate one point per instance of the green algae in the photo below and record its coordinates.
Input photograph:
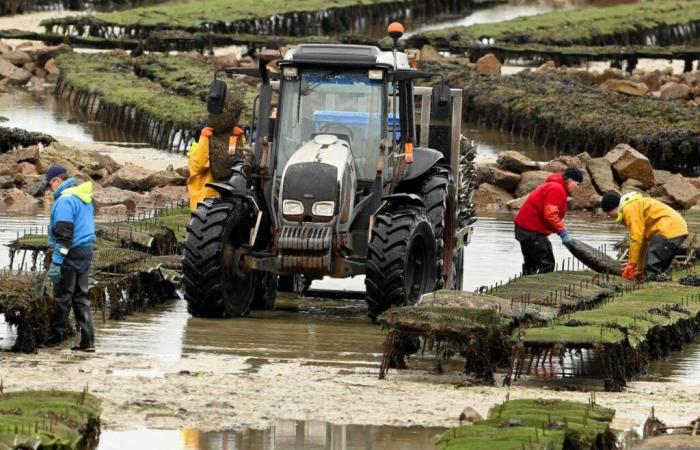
(621, 24)
(56, 420)
(535, 424)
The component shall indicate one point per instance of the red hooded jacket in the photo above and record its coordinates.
(545, 207)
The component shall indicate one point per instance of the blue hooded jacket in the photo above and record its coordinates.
(72, 226)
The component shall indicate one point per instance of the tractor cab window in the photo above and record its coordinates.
(346, 104)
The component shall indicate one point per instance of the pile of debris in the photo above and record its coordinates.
(29, 64)
(117, 189)
(505, 184)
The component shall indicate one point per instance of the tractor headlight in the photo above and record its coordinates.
(375, 74)
(290, 72)
(323, 209)
(292, 208)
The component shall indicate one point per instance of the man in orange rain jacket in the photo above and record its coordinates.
(200, 171)
(541, 215)
(655, 229)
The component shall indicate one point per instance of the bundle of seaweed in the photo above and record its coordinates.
(11, 138)
(49, 420)
(26, 308)
(536, 424)
(594, 258)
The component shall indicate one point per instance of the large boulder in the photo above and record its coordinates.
(627, 87)
(631, 185)
(585, 197)
(169, 178)
(629, 163)
(584, 76)
(652, 80)
(516, 204)
(133, 178)
(554, 166)
(29, 155)
(44, 54)
(7, 182)
(167, 195)
(673, 91)
(505, 179)
(16, 200)
(484, 173)
(682, 191)
(488, 65)
(430, 53)
(601, 174)
(661, 176)
(109, 196)
(530, 181)
(15, 75)
(488, 197)
(515, 162)
(610, 74)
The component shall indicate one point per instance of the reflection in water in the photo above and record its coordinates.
(491, 142)
(48, 114)
(283, 435)
(683, 366)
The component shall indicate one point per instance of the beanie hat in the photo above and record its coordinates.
(573, 174)
(610, 201)
(56, 171)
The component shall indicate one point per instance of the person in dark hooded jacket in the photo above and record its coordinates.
(543, 214)
(71, 238)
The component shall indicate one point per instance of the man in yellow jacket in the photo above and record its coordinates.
(200, 170)
(655, 229)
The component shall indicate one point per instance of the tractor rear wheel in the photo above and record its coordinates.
(216, 285)
(400, 259)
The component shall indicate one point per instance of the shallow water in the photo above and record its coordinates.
(284, 434)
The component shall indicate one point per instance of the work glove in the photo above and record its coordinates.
(207, 132)
(566, 238)
(55, 273)
(630, 271)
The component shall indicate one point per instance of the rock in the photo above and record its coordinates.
(530, 181)
(505, 179)
(7, 182)
(601, 174)
(469, 415)
(184, 171)
(661, 176)
(16, 75)
(51, 68)
(16, 200)
(484, 173)
(105, 162)
(681, 190)
(652, 80)
(223, 61)
(673, 91)
(168, 195)
(695, 181)
(430, 53)
(516, 204)
(554, 166)
(488, 197)
(629, 163)
(627, 87)
(109, 196)
(631, 185)
(27, 168)
(585, 77)
(584, 157)
(572, 161)
(4, 48)
(18, 58)
(547, 67)
(34, 185)
(116, 210)
(488, 65)
(35, 84)
(44, 54)
(133, 178)
(169, 178)
(28, 154)
(515, 162)
(610, 74)
(585, 197)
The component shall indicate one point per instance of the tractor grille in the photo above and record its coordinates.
(305, 248)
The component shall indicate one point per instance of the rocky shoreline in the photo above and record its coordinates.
(503, 185)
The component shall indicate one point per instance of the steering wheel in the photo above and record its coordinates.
(326, 128)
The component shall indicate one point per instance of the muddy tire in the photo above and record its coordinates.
(400, 259)
(213, 288)
(265, 293)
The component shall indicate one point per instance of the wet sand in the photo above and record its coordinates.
(31, 21)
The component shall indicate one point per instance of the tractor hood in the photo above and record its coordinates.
(318, 182)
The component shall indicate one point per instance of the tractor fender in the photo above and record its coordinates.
(423, 159)
(226, 190)
(399, 200)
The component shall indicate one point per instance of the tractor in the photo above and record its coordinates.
(343, 180)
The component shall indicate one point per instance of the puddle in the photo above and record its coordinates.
(490, 142)
(683, 367)
(283, 435)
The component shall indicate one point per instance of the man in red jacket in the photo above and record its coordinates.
(543, 214)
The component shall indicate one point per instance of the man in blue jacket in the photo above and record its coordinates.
(71, 236)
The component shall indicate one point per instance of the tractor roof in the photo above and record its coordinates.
(346, 55)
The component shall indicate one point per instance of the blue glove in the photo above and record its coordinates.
(566, 238)
(55, 273)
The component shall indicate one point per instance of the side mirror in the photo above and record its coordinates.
(217, 96)
(441, 102)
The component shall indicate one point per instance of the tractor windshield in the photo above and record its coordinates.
(347, 104)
